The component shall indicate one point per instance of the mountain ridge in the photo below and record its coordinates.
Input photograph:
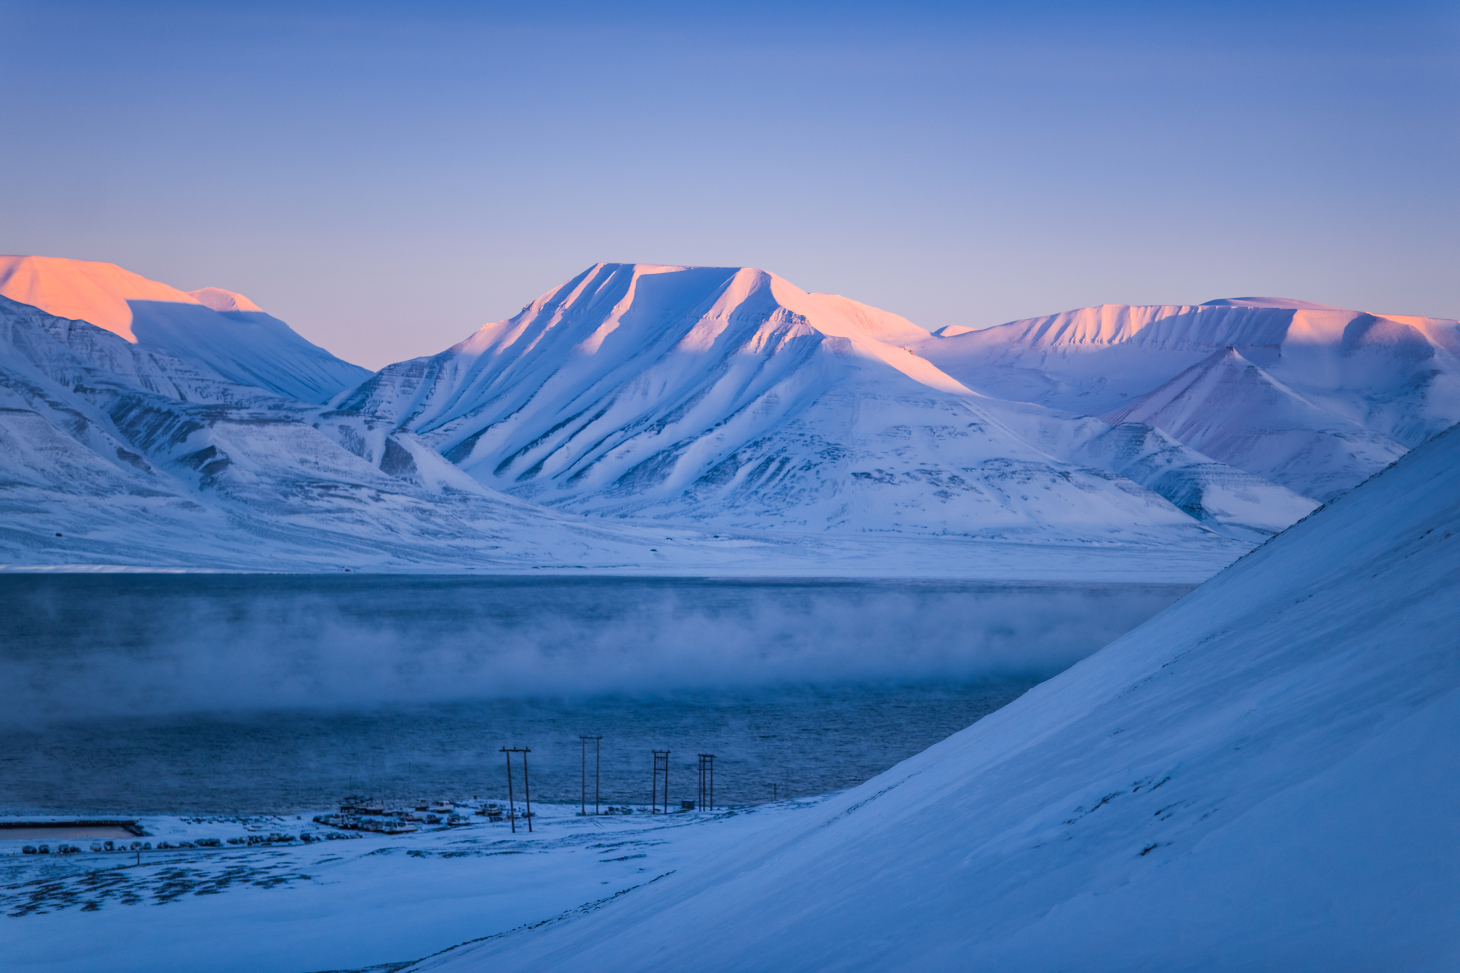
(218, 330)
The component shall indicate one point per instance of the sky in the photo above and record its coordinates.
(389, 177)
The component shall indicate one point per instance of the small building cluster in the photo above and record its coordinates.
(364, 815)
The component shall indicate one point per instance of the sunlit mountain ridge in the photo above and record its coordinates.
(219, 331)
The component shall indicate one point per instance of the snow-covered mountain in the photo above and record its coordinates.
(115, 454)
(710, 402)
(1229, 409)
(222, 333)
(729, 396)
(1259, 778)
(1312, 397)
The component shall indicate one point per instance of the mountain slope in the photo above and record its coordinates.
(224, 333)
(114, 453)
(1257, 778)
(1229, 409)
(1351, 390)
(729, 396)
(1396, 375)
(1227, 498)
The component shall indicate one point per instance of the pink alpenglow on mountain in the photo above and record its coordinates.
(220, 331)
(83, 290)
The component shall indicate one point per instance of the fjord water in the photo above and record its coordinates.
(265, 693)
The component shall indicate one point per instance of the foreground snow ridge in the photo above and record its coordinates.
(1261, 777)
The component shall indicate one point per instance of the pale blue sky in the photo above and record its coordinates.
(389, 177)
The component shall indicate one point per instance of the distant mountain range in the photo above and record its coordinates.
(1313, 397)
(723, 403)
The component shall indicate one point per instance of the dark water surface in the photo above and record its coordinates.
(251, 694)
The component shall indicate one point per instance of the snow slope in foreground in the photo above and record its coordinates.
(224, 333)
(1261, 777)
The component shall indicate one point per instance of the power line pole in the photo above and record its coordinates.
(583, 797)
(527, 790)
(526, 787)
(707, 782)
(661, 765)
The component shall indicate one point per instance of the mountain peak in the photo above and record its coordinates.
(652, 300)
(83, 290)
(250, 349)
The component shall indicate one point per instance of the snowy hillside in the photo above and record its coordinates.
(1259, 778)
(223, 333)
(728, 396)
(1314, 398)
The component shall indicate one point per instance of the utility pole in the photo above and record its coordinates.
(526, 787)
(707, 782)
(583, 799)
(661, 765)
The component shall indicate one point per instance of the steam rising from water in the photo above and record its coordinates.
(249, 694)
(87, 646)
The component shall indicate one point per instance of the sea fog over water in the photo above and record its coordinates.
(254, 693)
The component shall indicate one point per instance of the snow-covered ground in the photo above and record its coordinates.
(1261, 777)
(336, 904)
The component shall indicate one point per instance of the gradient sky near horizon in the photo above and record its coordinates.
(388, 177)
